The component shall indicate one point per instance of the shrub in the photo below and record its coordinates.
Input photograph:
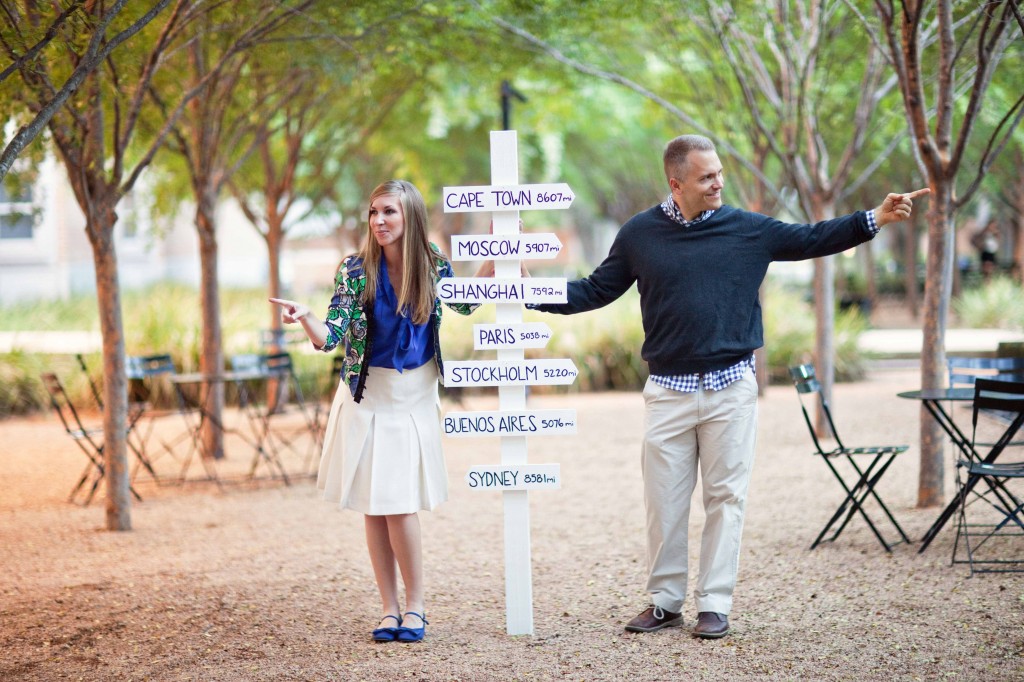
(998, 304)
(789, 328)
(604, 344)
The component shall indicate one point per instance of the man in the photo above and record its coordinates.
(698, 265)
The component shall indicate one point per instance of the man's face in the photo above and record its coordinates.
(699, 185)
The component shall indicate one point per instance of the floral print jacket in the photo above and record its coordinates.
(348, 319)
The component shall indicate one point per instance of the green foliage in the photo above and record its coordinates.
(996, 305)
(20, 389)
(789, 329)
(604, 344)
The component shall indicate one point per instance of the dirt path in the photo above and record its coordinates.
(268, 583)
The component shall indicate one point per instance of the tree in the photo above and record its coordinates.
(213, 138)
(944, 54)
(27, 25)
(785, 60)
(94, 133)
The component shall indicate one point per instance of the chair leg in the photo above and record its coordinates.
(856, 495)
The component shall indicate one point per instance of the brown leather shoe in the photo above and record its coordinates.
(711, 625)
(654, 618)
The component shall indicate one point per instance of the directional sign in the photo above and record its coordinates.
(507, 198)
(515, 477)
(510, 423)
(509, 372)
(502, 290)
(505, 247)
(521, 335)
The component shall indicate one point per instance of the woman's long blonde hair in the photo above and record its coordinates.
(419, 268)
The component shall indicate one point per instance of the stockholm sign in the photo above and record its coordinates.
(544, 372)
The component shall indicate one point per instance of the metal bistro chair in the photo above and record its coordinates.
(143, 371)
(806, 382)
(284, 397)
(90, 440)
(1006, 397)
(136, 441)
(964, 371)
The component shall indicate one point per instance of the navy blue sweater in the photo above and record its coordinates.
(698, 284)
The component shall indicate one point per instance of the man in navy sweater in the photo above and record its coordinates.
(698, 265)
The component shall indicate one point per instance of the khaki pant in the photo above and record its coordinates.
(715, 430)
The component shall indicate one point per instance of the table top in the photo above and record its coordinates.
(955, 394)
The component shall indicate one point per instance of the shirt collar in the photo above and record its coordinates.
(673, 212)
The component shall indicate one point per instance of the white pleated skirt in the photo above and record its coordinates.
(383, 455)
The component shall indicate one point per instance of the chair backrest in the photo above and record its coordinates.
(275, 363)
(963, 371)
(61, 404)
(1000, 395)
(806, 381)
(248, 362)
(92, 384)
(278, 362)
(142, 366)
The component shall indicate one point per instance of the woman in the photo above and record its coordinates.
(382, 447)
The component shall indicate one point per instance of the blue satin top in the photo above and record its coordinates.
(397, 342)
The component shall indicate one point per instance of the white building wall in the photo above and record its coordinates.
(56, 262)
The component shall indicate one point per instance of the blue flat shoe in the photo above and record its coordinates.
(387, 634)
(404, 634)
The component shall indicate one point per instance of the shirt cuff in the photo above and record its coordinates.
(872, 225)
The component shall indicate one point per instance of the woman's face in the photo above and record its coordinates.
(387, 222)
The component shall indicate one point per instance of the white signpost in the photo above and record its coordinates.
(511, 373)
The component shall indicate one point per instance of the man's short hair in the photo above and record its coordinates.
(677, 150)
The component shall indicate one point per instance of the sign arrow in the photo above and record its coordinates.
(520, 335)
(515, 477)
(502, 290)
(509, 372)
(510, 423)
(505, 247)
(474, 199)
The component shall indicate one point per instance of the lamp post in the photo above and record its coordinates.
(508, 92)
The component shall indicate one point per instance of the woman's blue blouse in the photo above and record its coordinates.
(397, 342)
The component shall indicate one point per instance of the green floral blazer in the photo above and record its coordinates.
(348, 320)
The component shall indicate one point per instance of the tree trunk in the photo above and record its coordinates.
(867, 254)
(937, 290)
(115, 383)
(824, 348)
(275, 241)
(1017, 268)
(211, 359)
(913, 300)
(825, 320)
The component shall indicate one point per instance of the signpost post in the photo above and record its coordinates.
(511, 373)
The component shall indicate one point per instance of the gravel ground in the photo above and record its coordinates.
(265, 582)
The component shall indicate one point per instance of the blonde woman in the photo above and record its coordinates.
(382, 447)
